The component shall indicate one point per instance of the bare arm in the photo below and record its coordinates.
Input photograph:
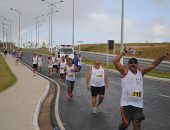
(154, 63)
(116, 61)
(88, 78)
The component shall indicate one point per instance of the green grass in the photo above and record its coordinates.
(150, 51)
(40, 51)
(7, 78)
(111, 66)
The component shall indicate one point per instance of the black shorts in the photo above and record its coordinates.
(130, 113)
(54, 66)
(35, 66)
(97, 90)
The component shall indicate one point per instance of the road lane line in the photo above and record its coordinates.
(162, 95)
(115, 83)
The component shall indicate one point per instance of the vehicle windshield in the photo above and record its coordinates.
(66, 51)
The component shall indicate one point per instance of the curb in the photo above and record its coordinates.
(38, 106)
(57, 101)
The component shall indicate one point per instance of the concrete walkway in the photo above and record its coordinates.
(18, 103)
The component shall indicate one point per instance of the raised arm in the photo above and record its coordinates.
(154, 63)
(88, 78)
(116, 61)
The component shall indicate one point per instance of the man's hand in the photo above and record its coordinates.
(88, 87)
(166, 54)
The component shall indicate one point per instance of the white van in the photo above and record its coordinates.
(64, 50)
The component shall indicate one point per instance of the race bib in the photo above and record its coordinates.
(70, 75)
(99, 75)
(136, 94)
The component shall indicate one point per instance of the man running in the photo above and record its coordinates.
(34, 62)
(54, 61)
(70, 76)
(97, 81)
(131, 104)
(40, 60)
(63, 64)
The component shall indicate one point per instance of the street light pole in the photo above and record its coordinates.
(122, 28)
(19, 12)
(51, 29)
(51, 22)
(36, 26)
(73, 27)
(3, 29)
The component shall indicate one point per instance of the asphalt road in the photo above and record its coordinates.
(76, 114)
(163, 67)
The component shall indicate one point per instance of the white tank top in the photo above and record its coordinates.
(35, 60)
(70, 75)
(132, 89)
(54, 61)
(62, 67)
(97, 77)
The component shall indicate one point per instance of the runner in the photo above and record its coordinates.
(97, 81)
(50, 65)
(79, 62)
(63, 64)
(17, 56)
(75, 60)
(40, 60)
(70, 76)
(34, 62)
(58, 63)
(131, 104)
(54, 61)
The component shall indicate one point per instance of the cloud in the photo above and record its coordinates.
(160, 2)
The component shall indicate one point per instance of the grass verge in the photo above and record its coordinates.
(111, 66)
(7, 78)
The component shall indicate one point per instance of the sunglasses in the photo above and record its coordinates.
(133, 62)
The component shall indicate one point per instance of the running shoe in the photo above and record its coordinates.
(99, 107)
(94, 110)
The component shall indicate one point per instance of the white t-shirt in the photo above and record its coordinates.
(54, 61)
(132, 89)
(70, 74)
(40, 61)
(34, 60)
(62, 66)
(97, 77)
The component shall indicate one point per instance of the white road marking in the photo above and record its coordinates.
(115, 83)
(162, 95)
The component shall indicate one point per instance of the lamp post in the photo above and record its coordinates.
(36, 26)
(3, 24)
(122, 28)
(19, 13)
(51, 5)
(73, 27)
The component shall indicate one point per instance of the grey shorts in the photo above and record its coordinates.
(70, 83)
(130, 113)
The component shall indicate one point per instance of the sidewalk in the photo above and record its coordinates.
(18, 103)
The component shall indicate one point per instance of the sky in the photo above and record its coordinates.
(96, 21)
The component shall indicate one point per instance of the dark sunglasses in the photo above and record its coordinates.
(133, 62)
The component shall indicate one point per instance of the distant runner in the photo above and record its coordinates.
(34, 62)
(40, 60)
(50, 66)
(62, 64)
(131, 104)
(97, 81)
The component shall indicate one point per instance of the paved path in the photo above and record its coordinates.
(17, 104)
